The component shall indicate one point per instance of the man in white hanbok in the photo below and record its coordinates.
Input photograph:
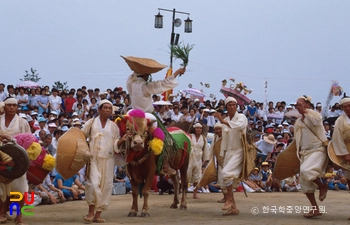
(309, 136)
(10, 125)
(233, 127)
(141, 89)
(103, 137)
(199, 154)
(341, 135)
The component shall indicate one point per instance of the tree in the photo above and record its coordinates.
(60, 86)
(31, 76)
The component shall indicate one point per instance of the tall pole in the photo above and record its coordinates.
(172, 39)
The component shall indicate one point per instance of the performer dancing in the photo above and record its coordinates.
(141, 89)
(103, 137)
(341, 134)
(309, 136)
(10, 125)
(218, 136)
(199, 154)
(233, 126)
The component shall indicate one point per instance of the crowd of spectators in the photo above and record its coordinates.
(51, 112)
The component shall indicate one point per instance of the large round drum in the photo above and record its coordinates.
(20, 159)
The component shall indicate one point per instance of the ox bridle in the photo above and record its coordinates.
(128, 145)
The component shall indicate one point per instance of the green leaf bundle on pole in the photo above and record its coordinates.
(182, 51)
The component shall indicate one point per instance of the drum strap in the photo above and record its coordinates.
(325, 143)
(87, 169)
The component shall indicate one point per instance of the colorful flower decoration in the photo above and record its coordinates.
(156, 144)
(35, 151)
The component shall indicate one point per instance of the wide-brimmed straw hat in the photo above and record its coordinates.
(20, 159)
(143, 65)
(72, 152)
(270, 139)
(338, 160)
(209, 174)
(287, 163)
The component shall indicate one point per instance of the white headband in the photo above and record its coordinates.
(8, 101)
(197, 125)
(11, 101)
(104, 101)
(344, 100)
(230, 99)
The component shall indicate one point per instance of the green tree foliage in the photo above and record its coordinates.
(32, 76)
(60, 86)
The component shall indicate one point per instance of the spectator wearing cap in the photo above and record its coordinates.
(52, 127)
(286, 136)
(22, 98)
(55, 101)
(319, 107)
(266, 175)
(266, 146)
(208, 120)
(171, 98)
(43, 102)
(77, 124)
(42, 126)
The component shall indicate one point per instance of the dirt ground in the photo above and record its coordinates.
(205, 210)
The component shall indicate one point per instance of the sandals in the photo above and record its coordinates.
(98, 220)
(231, 212)
(227, 207)
(3, 220)
(88, 219)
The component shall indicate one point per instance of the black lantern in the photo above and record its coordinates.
(188, 25)
(158, 21)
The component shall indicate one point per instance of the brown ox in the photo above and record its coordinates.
(142, 165)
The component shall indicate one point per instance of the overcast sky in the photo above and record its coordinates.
(298, 46)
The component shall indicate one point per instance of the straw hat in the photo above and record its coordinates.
(143, 65)
(209, 175)
(20, 159)
(264, 164)
(270, 139)
(72, 152)
(287, 163)
(338, 160)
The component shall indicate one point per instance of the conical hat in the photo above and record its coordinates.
(20, 158)
(338, 160)
(210, 174)
(287, 163)
(143, 65)
(68, 148)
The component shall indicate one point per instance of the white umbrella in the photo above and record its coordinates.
(293, 113)
(194, 92)
(27, 84)
(161, 102)
(273, 116)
